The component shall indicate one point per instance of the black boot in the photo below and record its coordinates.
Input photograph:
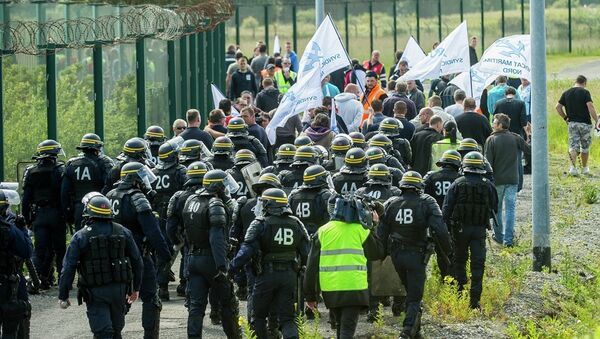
(163, 293)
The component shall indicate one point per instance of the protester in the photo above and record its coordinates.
(525, 93)
(290, 54)
(285, 78)
(458, 108)
(216, 124)
(179, 125)
(400, 95)
(515, 109)
(472, 124)
(415, 95)
(349, 108)
(408, 129)
(319, 131)
(268, 98)
(259, 62)
(329, 90)
(373, 91)
(193, 130)
(497, 92)
(376, 66)
(254, 129)
(421, 144)
(472, 51)
(375, 117)
(242, 80)
(421, 121)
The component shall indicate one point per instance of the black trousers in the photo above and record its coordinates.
(347, 319)
(106, 310)
(50, 232)
(275, 288)
(470, 241)
(411, 269)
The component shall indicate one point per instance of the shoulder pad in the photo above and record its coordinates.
(242, 200)
(391, 201)
(429, 174)
(140, 202)
(301, 227)
(254, 230)
(432, 205)
(173, 203)
(215, 202)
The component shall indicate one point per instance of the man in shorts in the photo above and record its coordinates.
(579, 111)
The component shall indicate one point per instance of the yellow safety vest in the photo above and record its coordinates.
(342, 263)
(438, 149)
(282, 85)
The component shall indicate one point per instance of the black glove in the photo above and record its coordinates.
(20, 222)
(221, 277)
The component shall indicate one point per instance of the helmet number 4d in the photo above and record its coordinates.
(284, 236)
(303, 210)
(441, 187)
(405, 216)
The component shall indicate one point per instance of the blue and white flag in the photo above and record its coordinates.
(510, 56)
(412, 54)
(474, 81)
(217, 96)
(326, 47)
(450, 56)
(276, 45)
(332, 117)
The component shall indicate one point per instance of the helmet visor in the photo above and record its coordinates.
(231, 184)
(12, 197)
(14, 186)
(176, 142)
(205, 151)
(146, 175)
(258, 208)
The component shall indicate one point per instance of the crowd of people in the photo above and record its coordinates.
(288, 224)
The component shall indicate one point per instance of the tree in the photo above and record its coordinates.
(250, 22)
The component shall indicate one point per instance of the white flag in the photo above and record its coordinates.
(276, 45)
(303, 95)
(412, 54)
(217, 96)
(473, 82)
(332, 117)
(510, 56)
(450, 56)
(326, 47)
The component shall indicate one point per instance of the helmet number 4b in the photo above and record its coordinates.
(441, 187)
(284, 236)
(303, 210)
(405, 216)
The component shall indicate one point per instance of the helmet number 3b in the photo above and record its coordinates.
(284, 236)
(303, 210)
(404, 216)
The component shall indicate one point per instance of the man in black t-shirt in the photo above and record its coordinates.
(193, 130)
(579, 114)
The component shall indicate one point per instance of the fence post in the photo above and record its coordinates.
(171, 81)
(51, 92)
(462, 10)
(502, 11)
(347, 26)
(440, 20)
(523, 16)
(98, 90)
(395, 14)
(482, 29)
(294, 28)
(183, 76)
(193, 72)
(419, 22)
(267, 26)
(371, 44)
(237, 25)
(201, 70)
(140, 82)
(570, 28)
(2, 112)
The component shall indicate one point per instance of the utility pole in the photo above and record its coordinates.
(319, 12)
(540, 187)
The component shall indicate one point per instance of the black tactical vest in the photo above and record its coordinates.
(8, 262)
(378, 192)
(348, 183)
(293, 178)
(196, 221)
(243, 142)
(42, 180)
(168, 181)
(308, 206)
(472, 202)
(247, 214)
(244, 190)
(105, 261)
(220, 161)
(406, 215)
(438, 183)
(123, 209)
(280, 239)
(86, 175)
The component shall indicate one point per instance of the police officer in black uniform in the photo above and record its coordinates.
(154, 136)
(242, 159)
(305, 156)
(386, 144)
(132, 209)
(358, 140)
(206, 219)
(42, 209)
(175, 232)
(467, 209)
(390, 127)
(470, 145)
(309, 201)
(191, 151)
(353, 174)
(379, 186)
(222, 150)
(134, 150)
(83, 174)
(340, 144)
(109, 266)
(376, 155)
(280, 243)
(237, 131)
(15, 246)
(170, 177)
(283, 160)
(436, 185)
(404, 227)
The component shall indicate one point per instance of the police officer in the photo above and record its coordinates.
(309, 201)
(467, 208)
(283, 160)
(222, 150)
(83, 174)
(405, 225)
(358, 140)
(109, 266)
(385, 143)
(194, 175)
(206, 219)
(237, 131)
(340, 144)
(436, 185)
(303, 140)
(191, 151)
(170, 177)
(470, 145)
(134, 150)
(305, 156)
(379, 186)
(132, 209)
(390, 127)
(353, 174)
(42, 209)
(376, 155)
(154, 136)
(15, 245)
(322, 154)
(281, 243)
(242, 159)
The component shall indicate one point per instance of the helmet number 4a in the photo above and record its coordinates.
(405, 216)
(303, 210)
(284, 236)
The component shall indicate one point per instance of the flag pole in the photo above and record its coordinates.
(471, 80)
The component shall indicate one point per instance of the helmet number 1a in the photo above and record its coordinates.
(284, 236)
(303, 210)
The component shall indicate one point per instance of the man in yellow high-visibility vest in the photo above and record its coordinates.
(337, 263)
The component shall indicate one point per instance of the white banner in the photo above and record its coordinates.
(473, 82)
(217, 96)
(276, 45)
(412, 54)
(510, 56)
(450, 56)
(326, 47)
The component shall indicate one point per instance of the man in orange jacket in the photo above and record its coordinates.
(372, 92)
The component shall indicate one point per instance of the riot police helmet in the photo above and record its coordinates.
(358, 139)
(375, 155)
(341, 144)
(244, 157)
(90, 141)
(155, 135)
(236, 127)
(48, 148)
(8, 198)
(96, 206)
(468, 145)
(322, 153)
(168, 153)
(190, 150)
(135, 148)
(473, 162)
(135, 172)
(303, 140)
(217, 181)
(379, 174)
(195, 173)
(355, 160)
(450, 158)
(223, 145)
(382, 141)
(274, 201)
(390, 127)
(412, 179)
(315, 176)
(285, 154)
(266, 181)
(305, 155)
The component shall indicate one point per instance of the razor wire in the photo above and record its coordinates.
(138, 22)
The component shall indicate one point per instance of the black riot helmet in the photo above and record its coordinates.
(303, 140)
(222, 145)
(8, 197)
(48, 149)
(244, 157)
(379, 174)
(190, 150)
(473, 162)
(274, 201)
(90, 141)
(305, 155)
(285, 154)
(236, 127)
(266, 181)
(375, 155)
(195, 173)
(214, 181)
(155, 135)
(322, 153)
(167, 153)
(390, 127)
(340, 144)
(96, 206)
(135, 148)
(315, 176)
(450, 158)
(412, 179)
(468, 145)
(358, 140)
(355, 160)
(135, 172)
(382, 141)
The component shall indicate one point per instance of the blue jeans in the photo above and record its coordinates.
(507, 197)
